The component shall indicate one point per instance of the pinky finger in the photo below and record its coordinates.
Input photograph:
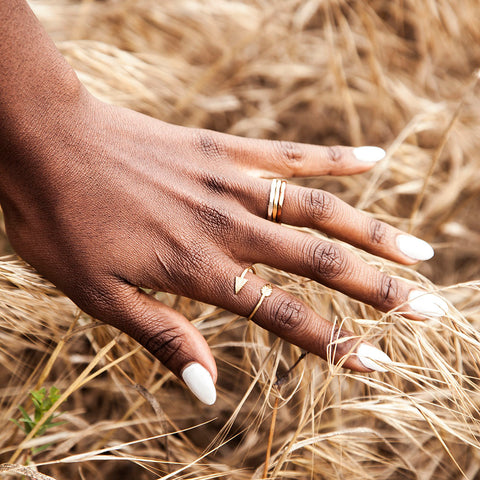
(285, 315)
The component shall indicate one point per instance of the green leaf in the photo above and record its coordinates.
(38, 396)
(54, 394)
(21, 427)
(41, 448)
(24, 413)
(29, 423)
(42, 401)
(38, 415)
(56, 424)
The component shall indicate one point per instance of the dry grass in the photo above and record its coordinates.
(395, 74)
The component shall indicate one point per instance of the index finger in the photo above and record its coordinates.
(270, 158)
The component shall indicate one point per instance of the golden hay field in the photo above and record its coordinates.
(398, 74)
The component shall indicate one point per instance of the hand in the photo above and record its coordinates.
(103, 200)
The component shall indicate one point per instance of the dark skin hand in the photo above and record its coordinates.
(103, 200)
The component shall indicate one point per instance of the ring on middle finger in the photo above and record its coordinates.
(275, 203)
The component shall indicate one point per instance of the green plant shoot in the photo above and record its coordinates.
(42, 401)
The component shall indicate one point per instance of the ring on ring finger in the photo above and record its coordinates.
(265, 291)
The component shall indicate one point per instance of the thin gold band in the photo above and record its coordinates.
(281, 198)
(250, 269)
(275, 203)
(273, 188)
(266, 291)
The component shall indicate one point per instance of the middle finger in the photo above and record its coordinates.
(313, 208)
(336, 267)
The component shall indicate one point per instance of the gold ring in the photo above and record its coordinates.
(275, 203)
(241, 280)
(266, 291)
(281, 198)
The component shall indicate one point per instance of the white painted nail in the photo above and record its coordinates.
(414, 248)
(371, 356)
(369, 154)
(427, 303)
(200, 382)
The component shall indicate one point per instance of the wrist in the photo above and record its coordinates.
(37, 85)
(26, 119)
(35, 137)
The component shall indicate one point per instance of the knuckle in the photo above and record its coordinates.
(214, 217)
(388, 291)
(328, 260)
(333, 154)
(209, 145)
(96, 297)
(287, 313)
(377, 231)
(319, 205)
(188, 266)
(164, 343)
(216, 184)
(290, 153)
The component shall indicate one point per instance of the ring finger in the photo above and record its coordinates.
(336, 267)
(285, 315)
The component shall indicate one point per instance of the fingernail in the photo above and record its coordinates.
(414, 248)
(369, 154)
(200, 383)
(371, 356)
(427, 303)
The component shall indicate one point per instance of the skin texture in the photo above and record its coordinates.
(103, 200)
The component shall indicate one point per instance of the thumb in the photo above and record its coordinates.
(168, 336)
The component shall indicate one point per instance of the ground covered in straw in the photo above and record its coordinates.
(401, 75)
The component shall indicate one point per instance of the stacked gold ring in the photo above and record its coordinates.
(275, 203)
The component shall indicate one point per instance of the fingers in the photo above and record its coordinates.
(292, 320)
(268, 158)
(306, 207)
(323, 211)
(337, 268)
(166, 334)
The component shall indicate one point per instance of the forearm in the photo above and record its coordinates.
(35, 80)
(39, 92)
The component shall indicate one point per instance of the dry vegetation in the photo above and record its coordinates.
(397, 74)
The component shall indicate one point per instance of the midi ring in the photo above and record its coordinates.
(266, 291)
(241, 280)
(275, 203)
